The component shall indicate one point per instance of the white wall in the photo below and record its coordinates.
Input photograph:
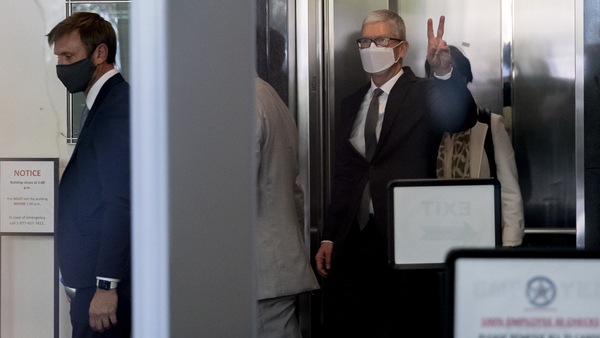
(32, 124)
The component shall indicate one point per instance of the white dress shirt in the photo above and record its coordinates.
(357, 137)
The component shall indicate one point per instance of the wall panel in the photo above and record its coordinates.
(33, 115)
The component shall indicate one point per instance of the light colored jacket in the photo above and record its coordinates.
(506, 170)
(283, 261)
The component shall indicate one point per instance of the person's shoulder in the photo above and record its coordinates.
(408, 74)
(415, 82)
(260, 83)
(362, 89)
(358, 93)
(353, 100)
(115, 86)
(263, 89)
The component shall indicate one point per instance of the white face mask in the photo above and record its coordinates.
(377, 59)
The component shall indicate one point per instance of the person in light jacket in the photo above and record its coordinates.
(284, 269)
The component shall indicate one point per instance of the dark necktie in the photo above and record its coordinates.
(84, 115)
(371, 125)
(370, 145)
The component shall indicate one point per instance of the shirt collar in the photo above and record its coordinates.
(93, 93)
(387, 87)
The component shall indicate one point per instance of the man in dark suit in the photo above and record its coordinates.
(93, 230)
(364, 297)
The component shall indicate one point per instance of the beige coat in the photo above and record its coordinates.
(506, 169)
(283, 260)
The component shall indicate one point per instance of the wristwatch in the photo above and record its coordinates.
(106, 285)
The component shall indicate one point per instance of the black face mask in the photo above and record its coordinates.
(76, 76)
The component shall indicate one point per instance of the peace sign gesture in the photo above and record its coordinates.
(438, 53)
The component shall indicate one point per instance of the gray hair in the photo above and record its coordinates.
(385, 15)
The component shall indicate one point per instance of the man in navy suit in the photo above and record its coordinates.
(363, 296)
(93, 230)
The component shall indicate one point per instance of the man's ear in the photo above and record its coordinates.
(100, 54)
(403, 48)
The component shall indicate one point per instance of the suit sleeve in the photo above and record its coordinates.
(451, 104)
(111, 144)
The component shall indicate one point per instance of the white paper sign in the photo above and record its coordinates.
(27, 192)
(429, 221)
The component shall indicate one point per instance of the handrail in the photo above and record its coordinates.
(551, 231)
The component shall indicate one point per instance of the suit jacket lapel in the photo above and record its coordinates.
(117, 78)
(394, 101)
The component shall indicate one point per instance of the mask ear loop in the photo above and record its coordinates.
(92, 54)
(401, 42)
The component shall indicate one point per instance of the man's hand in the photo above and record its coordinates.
(323, 258)
(438, 53)
(103, 310)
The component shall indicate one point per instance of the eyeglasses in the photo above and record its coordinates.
(379, 42)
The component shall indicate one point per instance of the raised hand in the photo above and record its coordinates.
(438, 53)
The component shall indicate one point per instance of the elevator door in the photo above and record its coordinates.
(524, 60)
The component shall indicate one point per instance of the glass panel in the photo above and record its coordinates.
(272, 44)
(591, 102)
(117, 13)
(544, 111)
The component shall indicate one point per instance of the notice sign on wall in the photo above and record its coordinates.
(27, 195)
